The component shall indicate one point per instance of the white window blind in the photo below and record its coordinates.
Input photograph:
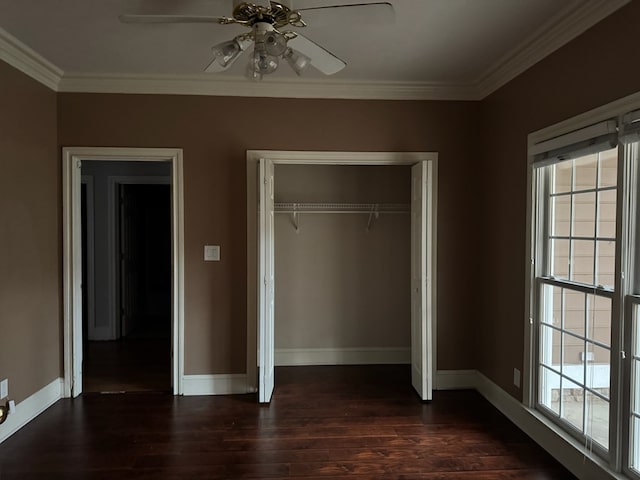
(588, 140)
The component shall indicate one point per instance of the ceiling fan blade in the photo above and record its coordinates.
(373, 13)
(321, 58)
(134, 18)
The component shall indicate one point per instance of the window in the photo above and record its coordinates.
(585, 287)
(576, 285)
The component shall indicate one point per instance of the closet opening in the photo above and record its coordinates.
(344, 262)
(342, 265)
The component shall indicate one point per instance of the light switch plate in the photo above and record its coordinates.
(4, 388)
(212, 253)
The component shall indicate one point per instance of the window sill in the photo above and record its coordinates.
(562, 446)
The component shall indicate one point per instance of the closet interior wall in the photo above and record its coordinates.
(342, 280)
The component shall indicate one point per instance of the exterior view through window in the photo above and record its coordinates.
(576, 289)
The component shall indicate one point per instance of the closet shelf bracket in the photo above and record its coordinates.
(294, 218)
(373, 215)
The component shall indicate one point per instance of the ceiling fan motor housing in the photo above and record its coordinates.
(277, 14)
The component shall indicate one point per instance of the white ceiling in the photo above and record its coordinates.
(464, 47)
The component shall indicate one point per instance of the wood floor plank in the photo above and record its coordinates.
(323, 423)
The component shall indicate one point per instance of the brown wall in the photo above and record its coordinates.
(30, 233)
(481, 203)
(594, 69)
(215, 133)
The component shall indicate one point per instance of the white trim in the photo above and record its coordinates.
(456, 379)
(227, 384)
(93, 331)
(341, 158)
(432, 268)
(31, 407)
(572, 20)
(113, 329)
(586, 133)
(342, 356)
(317, 158)
(29, 62)
(208, 84)
(72, 263)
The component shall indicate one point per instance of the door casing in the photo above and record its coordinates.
(253, 231)
(72, 261)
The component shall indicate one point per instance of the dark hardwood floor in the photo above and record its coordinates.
(323, 423)
(135, 364)
(138, 362)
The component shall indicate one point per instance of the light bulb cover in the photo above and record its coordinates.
(225, 52)
(261, 62)
(275, 43)
(296, 60)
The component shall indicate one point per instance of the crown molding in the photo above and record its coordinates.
(206, 84)
(573, 20)
(29, 62)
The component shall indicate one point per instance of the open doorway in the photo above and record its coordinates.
(127, 337)
(135, 204)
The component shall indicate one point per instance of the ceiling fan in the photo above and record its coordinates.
(269, 22)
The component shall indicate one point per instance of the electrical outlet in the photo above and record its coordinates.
(516, 377)
(4, 388)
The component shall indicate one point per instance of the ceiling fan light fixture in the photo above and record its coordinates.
(275, 43)
(226, 52)
(296, 60)
(261, 63)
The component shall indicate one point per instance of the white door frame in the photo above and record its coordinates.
(72, 258)
(325, 158)
(266, 272)
(87, 180)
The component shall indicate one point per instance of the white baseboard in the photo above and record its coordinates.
(564, 448)
(341, 356)
(456, 379)
(227, 384)
(31, 407)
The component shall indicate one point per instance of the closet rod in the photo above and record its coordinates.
(342, 208)
(372, 209)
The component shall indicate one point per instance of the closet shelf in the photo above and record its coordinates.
(372, 209)
(342, 208)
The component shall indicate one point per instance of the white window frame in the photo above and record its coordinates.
(617, 459)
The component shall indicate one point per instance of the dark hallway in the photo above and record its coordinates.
(138, 359)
